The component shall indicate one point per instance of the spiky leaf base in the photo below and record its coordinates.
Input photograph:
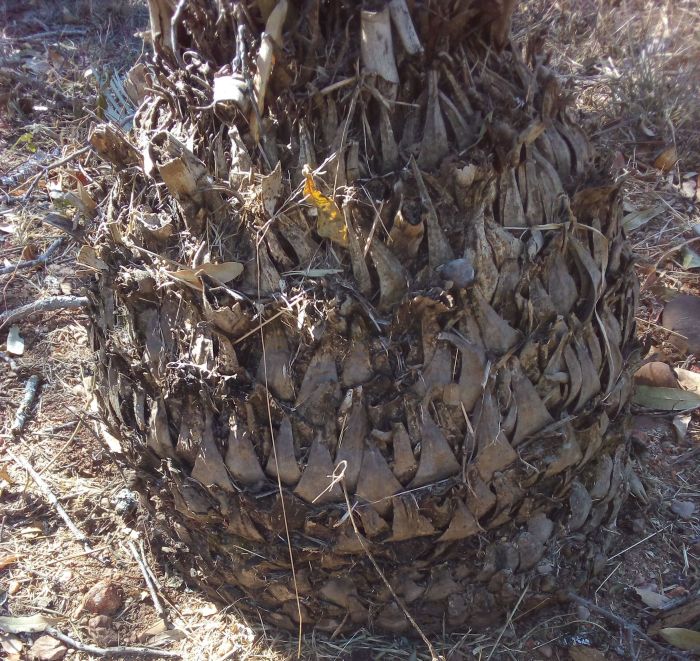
(428, 319)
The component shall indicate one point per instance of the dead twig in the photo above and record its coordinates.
(40, 36)
(23, 463)
(629, 627)
(31, 388)
(44, 305)
(507, 624)
(141, 562)
(31, 263)
(119, 652)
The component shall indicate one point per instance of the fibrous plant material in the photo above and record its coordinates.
(365, 258)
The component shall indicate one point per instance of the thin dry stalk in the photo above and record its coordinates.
(45, 305)
(31, 388)
(22, 462)
(120, 652)
(141, 562)
(32, 263)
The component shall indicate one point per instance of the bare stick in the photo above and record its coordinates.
(30, 390)
(21, 461)
(44, 305)
(627, 626)
(141, 562)
(111, 652)
(31, 263)
(507, 624)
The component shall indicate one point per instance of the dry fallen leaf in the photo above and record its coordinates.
(691, 259)
(665, 399)
(271, 189)
(46, 648)
(682, 315)
(4, 475)
(156, 628)
(11, 645)
(7, 560)
(15, 342)
(224, 272)
(666, 159)
(684, 639)
(680, 425)
(637, 219)
(689, 380)
(88, 257)
(683, 508)
(208, 609)
(585, 653)
(26, 624)
(656, 374)
(330, 224)
(29, 252)
(653, 599)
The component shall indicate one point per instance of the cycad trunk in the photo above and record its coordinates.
(349, 267)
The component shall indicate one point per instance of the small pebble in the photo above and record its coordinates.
(104, 598)
(46, 648)
(458, 271)
(101, 630)
(125, 502)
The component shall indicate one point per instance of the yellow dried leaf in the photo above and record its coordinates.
(4, 475)
(8, 560)
(331, 224)
(666, 159)
(224, 272)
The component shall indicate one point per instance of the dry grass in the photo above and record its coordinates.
(635, 68)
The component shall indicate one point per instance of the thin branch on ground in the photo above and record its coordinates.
(31, 263)
(141, 562)
(507, 624)
(119, 652)
(45, 305)
(627, 626)
(31, 388)
(22, 462)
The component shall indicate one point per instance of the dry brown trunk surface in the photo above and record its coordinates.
(360, 255)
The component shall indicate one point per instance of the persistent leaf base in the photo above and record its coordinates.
(429, 323)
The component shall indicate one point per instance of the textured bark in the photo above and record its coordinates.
(353, 250)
